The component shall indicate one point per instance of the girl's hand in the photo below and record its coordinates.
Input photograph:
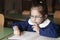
(35, 28)
(16, 31)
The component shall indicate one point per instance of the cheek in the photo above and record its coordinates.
(32, 20)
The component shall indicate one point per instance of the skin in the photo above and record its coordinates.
(35, 13)
(16, 30)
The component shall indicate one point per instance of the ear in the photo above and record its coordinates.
(46, 16)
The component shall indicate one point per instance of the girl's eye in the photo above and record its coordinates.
(35, 17)
(38, 17)
(31, 16)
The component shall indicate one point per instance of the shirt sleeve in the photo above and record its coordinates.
(21, 25)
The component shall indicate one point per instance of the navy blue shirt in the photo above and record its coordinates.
(50, 31)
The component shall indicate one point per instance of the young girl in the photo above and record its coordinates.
(37, 22)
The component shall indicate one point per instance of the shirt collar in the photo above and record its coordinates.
(42, 25)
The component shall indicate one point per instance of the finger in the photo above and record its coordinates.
(34, 29)
(33, 26)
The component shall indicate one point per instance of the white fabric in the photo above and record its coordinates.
(42, 25)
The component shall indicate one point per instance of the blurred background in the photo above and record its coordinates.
(18, 10)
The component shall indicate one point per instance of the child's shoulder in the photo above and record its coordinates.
(53, 24)
(48, 23)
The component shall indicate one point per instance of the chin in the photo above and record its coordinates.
(39, 23)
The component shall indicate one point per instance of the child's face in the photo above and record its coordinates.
(36, 17)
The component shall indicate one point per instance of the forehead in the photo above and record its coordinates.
(35, 12)
(39, 8)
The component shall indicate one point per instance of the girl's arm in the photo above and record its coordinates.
(18, 27)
